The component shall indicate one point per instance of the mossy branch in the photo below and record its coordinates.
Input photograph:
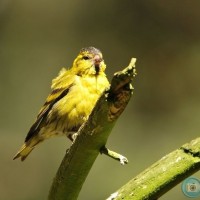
(92, 137)
(162, 175)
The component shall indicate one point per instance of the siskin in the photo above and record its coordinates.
(74, 94)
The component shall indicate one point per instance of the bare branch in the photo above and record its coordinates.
(162, 175)
(92, 137)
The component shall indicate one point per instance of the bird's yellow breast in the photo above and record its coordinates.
(77, 105)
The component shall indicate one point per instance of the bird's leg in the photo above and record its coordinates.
(72, 136)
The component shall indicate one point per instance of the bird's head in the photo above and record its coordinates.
(89, 62)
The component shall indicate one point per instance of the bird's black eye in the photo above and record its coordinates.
(86, 57)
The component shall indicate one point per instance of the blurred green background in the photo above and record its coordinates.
(38, 38)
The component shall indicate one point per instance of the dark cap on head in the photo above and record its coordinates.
(92, 50)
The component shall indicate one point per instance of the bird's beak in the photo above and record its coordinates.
(97, 62)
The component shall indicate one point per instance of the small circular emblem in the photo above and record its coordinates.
(191, 187)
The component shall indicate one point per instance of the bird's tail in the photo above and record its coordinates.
(24, 151)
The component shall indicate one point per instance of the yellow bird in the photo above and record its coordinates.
(74, 95)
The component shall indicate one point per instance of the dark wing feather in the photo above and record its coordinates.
(57, 94)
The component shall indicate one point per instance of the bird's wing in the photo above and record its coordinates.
(60, 88)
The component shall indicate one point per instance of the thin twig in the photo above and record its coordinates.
(123, 160)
